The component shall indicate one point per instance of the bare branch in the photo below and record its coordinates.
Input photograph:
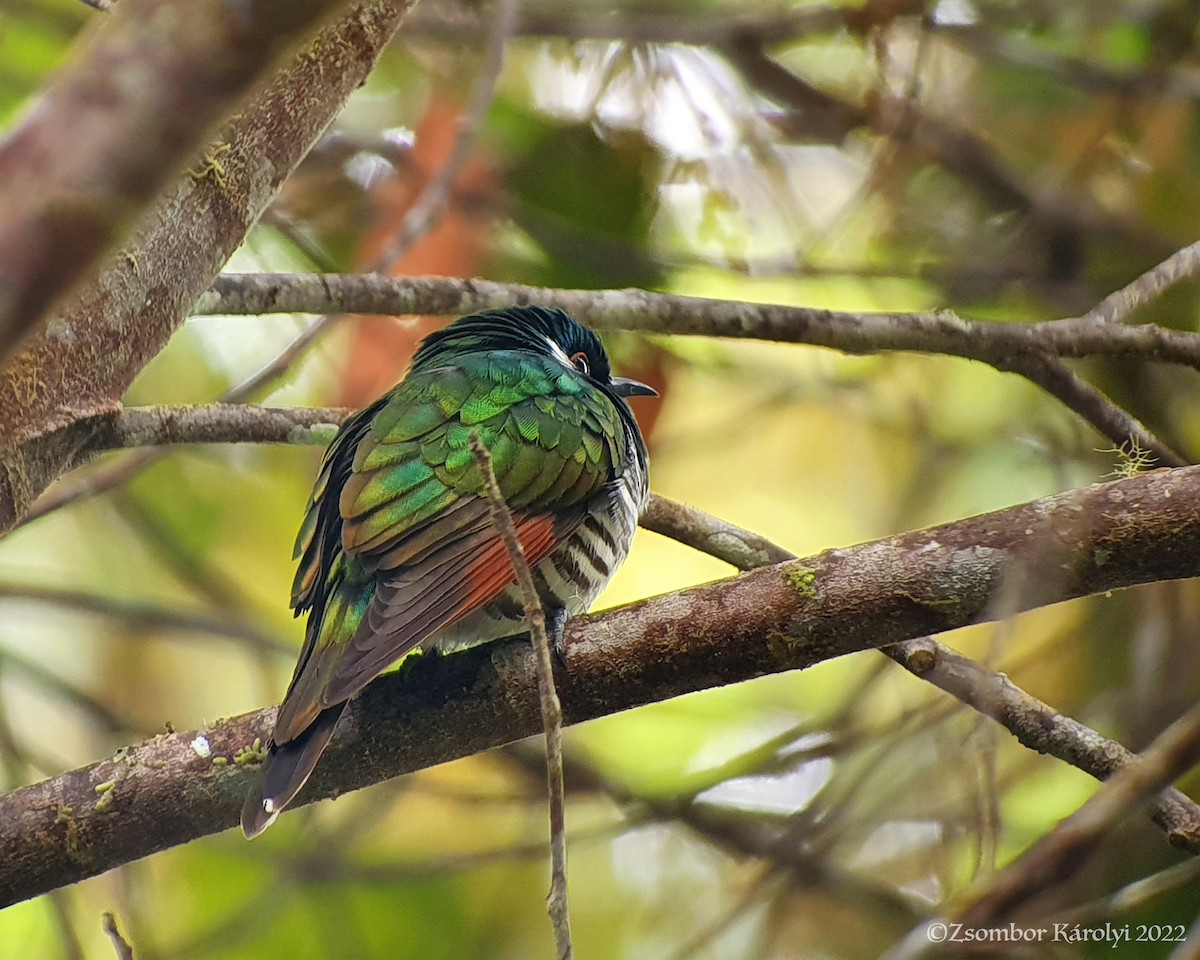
(218, 423)
(1042, 728)
(712, 535)
(552, 718)
(1117, 306)
(113, 475)
(788, 616)
(463, 24)
(1161, 80)
(1063, 851)
(999, 344)
(120, 944)
(1136, 895)
(153, 428)
(1031, 350)
(74, 178)
(1106, 417)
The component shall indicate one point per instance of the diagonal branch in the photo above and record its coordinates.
(1040, 727)
(1064, 850)
(1120, 304)
(788, 616)
(74, 178)
(120, 320)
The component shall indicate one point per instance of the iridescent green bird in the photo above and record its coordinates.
(397, 551)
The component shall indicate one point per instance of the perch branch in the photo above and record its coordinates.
(168, 790)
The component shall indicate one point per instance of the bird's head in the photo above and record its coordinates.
(540, 330)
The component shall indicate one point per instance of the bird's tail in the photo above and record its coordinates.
(286, 770)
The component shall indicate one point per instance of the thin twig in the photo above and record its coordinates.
(1018, 49)
(712, 535)
(1040, 727)
(462, 24)
(551, 708)
(91, 484)
(142, 617)
(1134, 896)
(111, 476)
(1117, 306)
(99, 713)
(1063, 851)
(120, 944)
(1103, 414)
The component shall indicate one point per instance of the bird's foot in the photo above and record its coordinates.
(556, 632)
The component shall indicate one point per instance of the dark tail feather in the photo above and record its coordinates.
(286, 770)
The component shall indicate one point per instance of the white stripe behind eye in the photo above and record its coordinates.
(559, 353)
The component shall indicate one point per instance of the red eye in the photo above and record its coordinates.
(580, 361)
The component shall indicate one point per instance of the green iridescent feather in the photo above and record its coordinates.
(554, 439)
(397, 545)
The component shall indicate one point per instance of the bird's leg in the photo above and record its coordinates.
(556, 632)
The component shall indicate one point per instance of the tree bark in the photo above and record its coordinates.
(115, 124)
(83, 362)
(180, 786)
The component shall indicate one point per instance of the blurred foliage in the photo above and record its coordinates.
(818, 814)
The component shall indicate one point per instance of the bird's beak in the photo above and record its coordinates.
(624, 387)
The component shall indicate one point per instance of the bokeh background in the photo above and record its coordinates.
(1010, 159)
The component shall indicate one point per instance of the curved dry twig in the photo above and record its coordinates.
(552, 717)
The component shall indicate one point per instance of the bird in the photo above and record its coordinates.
(397, 550)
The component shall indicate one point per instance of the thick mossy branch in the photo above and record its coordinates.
(178, 787)
(80, 366)
(74, 177)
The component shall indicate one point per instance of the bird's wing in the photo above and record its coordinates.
(408, 548)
